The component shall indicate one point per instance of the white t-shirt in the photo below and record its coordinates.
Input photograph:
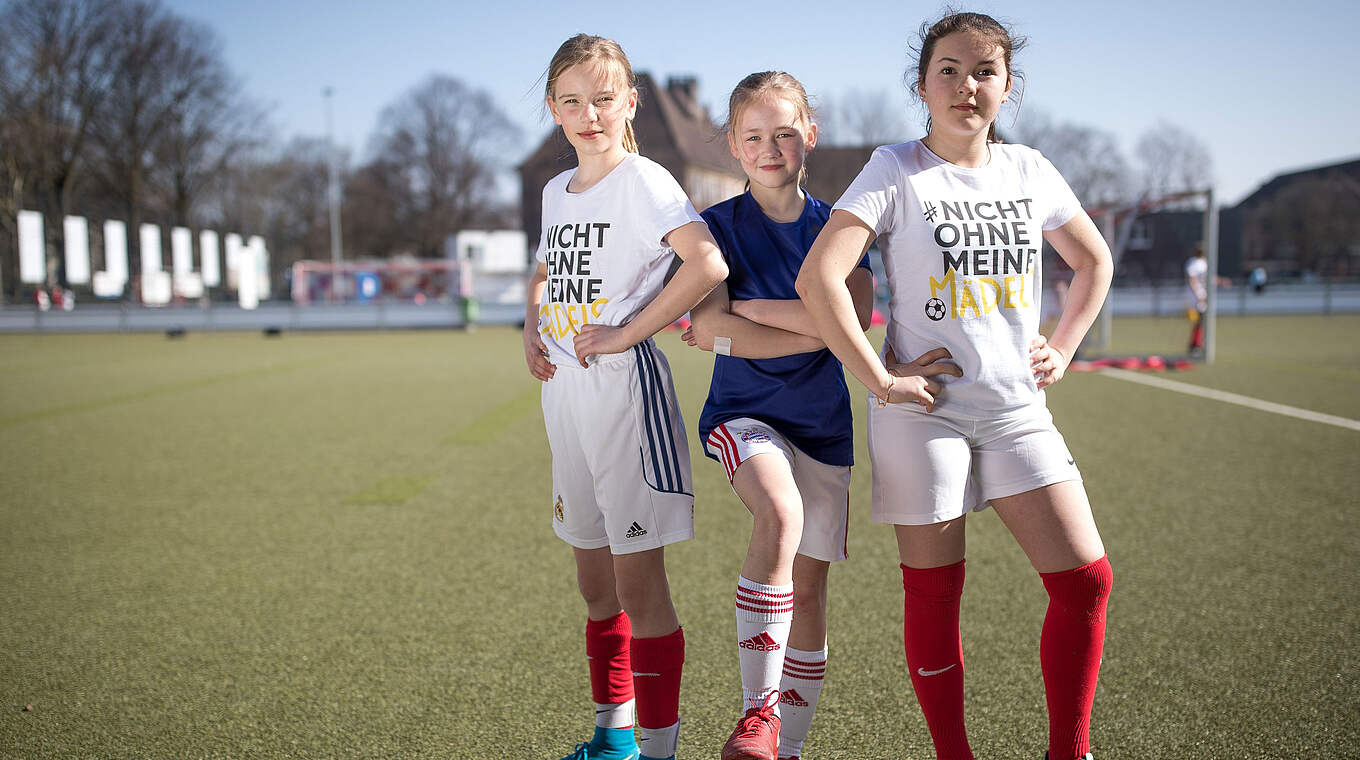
(961, 250)
(604, 250)
(1196, 270)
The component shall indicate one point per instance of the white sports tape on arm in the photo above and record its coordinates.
(722, 345)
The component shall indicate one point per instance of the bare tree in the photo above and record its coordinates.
(207, 130)
(300, 227)
(1089, 159)
(447, 141)
(373, 195)
(54, 76)
(279, 193)
(1173, 160)
(862, 117)
(166, 74)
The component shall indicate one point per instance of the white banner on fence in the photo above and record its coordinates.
(115, 251)
(107, 286)
(233, 256)
(181, 251)
(207, 254)
(247, 275)
(156, 288)
(151, 248)
(109, 282)
(187, 282)
(77, 234)
(262, 262)
(32, 249)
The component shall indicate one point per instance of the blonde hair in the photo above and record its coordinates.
(586, 48)
(766, 84)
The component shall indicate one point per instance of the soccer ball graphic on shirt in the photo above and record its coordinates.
(935, 309)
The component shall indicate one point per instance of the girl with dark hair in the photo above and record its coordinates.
(960, 219)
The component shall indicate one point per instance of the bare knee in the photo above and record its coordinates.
(809, 604)
(767, 488)
(595, 579)
(809, 592)
(599, 595)
(644, 593)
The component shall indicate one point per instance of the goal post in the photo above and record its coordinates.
(351, 282)
(1129, 229)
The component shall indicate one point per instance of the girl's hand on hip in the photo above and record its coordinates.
(592, 339)
(918, 381)
(536, 354)
(1047, 362)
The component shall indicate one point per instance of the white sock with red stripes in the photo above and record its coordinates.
(801, 687)
(764, 614)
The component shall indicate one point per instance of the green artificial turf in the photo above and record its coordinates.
(338, 545)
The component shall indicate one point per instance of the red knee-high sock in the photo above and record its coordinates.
(611, 670)
(935, 653)
(657, 663)
(1069, 653)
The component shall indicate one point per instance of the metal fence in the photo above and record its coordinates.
(1163, 300)
(1323, 297)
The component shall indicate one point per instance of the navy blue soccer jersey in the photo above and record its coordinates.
(803, 396)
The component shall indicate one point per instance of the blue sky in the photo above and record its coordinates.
(1268, 86)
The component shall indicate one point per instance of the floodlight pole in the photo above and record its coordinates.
(1211, 251)
(332, 194)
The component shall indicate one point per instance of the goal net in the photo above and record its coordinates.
(410, 281)
(1151, 320)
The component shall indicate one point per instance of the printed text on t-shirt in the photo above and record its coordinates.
(573, 295)
(987, 256)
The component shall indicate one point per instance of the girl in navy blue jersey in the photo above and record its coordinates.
(777, 415)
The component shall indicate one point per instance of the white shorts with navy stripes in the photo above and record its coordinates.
(620, 459)
(825, 488)
(930, 467)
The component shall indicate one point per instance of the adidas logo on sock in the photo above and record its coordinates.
(635, 531)
(761, 642)
(792, 697)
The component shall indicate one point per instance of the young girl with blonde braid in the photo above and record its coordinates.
(777, 416)
(622, 488)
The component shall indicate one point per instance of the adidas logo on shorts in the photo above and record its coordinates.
(792, 697)
(635, 531)
(761, 642)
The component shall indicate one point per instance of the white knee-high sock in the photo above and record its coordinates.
(764, 614)
(801, 687)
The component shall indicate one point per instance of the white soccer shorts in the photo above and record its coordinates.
(620, 459)
(930, 468)
(825, 488)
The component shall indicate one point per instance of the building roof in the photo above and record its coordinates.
(1268, 190)
(669, 118)
(831, 169)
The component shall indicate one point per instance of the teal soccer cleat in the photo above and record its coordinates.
(607, 744)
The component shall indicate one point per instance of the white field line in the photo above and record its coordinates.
(1231, 398)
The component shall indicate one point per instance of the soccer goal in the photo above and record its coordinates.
(416, 281)
(1150, 319)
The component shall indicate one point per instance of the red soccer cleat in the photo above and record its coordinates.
(756, 736)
